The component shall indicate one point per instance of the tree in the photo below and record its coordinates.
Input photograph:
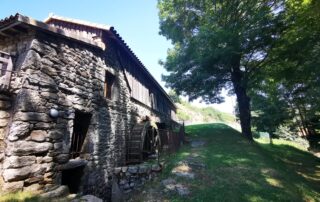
(218, 44)
(293, 64)
(173, 95)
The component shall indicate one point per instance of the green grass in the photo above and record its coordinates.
(19, 197)
(208, 114)
(241, 171)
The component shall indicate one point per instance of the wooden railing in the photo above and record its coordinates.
(5, 71)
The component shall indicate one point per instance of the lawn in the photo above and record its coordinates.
(237, 170)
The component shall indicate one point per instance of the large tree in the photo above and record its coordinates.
(218, 44)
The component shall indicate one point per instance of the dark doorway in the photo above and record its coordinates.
(80, 129)
(72, 178)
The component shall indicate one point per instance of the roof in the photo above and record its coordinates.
(18, 21)
(117, 36)
(76, 21)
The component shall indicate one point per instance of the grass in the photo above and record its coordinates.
(188, 112)
(241, 171)
(19, 197)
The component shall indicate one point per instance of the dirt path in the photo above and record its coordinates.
(179, 179)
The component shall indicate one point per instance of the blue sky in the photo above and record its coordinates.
(136, 21)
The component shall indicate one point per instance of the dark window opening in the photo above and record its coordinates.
(108, 84)
(72, 178)
(80, 129)
(3, 68)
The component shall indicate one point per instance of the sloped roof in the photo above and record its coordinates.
(20, 20)
(117, 36)
(16, 23)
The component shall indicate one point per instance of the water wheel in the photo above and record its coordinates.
(143, 142)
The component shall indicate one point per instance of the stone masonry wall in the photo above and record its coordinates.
(5, 109)
(56, 73)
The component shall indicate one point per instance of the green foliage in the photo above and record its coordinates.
(287, 91)
(173, 95)
(208, 36)
(188, 112)
(218, 44)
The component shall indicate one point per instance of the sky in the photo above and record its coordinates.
(136, 21)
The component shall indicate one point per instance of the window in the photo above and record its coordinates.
(108, 85)
(80, 129)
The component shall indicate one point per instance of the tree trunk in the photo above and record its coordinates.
(243, 101)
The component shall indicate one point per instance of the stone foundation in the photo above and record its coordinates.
(130, 177)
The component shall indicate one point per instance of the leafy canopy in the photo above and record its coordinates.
(210, 38)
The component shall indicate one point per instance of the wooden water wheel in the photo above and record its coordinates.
(144, 141)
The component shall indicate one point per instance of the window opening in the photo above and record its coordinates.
(80, 129)
(108, 85)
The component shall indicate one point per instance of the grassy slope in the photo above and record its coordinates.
(253, 172)
(241, 171)
(194, 114)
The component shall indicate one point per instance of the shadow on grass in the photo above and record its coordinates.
(242, 171)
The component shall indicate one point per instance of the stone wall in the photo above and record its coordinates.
(5, 111)
(130, 177)
(67, 76)
(57, 73)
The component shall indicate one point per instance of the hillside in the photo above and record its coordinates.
(220, 165)
(193, 115)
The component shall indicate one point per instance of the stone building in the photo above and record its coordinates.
(70, 93)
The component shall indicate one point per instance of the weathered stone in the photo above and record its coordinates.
(49, 95)
(17, 174)
(18, 129)
(32, 60)
(46, 159)
(73, 163)
(38, 135)
(13, 186)
(133, 169)
(4, 97)
(61, 147)
(18, 161)
(32, 116)
(182, 190)
(47, 166)
(90, 198)
(142, 169)
(47, 69)
(2, 133)
(4, 114)
(1, 157)
(61, 158)
(123, 182)
(33, 188)
(41, 125)
(5, 104)
(117, 170)
(32, 180)
(124, 169)
(27, 147)
(55, 134)
(58, 192)
(3, 122)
